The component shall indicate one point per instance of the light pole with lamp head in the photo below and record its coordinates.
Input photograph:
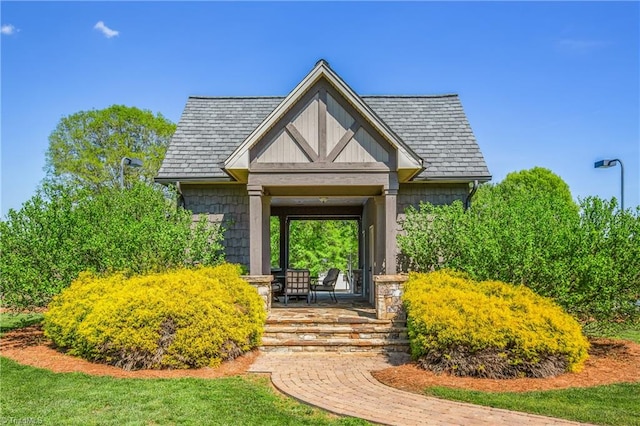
(131, 162)
(605, 164)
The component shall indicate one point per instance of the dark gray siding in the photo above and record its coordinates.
(226, 204)
(229, 204)
(411, 194)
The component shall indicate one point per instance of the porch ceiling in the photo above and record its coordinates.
(352, 191)
(317, 201)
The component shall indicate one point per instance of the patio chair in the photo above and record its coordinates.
(296, 284)
(328, 284)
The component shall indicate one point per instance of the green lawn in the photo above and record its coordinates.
(627, 330)
(632, 333)
(34, 396)
(78, 399)
(607, 405)
(9, 321)
(43, 397)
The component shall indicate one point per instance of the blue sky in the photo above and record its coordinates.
(546, 84)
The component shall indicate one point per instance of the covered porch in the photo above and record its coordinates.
(385, 302)
(373, 211)
(323, 153)
(374, 207)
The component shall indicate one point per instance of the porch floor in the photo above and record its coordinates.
(349, 308)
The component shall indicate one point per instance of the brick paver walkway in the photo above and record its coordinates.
(342, 384)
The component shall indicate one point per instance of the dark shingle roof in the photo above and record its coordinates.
(434, 127)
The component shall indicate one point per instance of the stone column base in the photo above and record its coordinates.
(388, 296)
(262, 283)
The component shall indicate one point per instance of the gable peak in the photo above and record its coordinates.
(238, 162)
(322, 61)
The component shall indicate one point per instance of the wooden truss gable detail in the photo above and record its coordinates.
(322, 128)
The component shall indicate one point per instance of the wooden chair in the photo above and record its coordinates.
(328, 284)
(296, 284)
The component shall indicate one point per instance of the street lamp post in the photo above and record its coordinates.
(131, 162)
(605, 164)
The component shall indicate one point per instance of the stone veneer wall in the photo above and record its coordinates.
(226, 204)
(388, 297)
(262, 284)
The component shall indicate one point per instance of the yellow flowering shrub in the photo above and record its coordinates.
(179, 319)
(489, 329)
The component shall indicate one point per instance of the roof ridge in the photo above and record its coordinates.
(443, 95)
(234, 97)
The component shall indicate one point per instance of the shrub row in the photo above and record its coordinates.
(61, 231)
(527, 230)
(180, 319)
(489, 329)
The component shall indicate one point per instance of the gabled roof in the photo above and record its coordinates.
(433, 128)
(239, 158)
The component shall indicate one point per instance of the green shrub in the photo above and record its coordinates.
(489, 329)
(60, 232)
(518, 231)
(180, 319)
(606, 270)
(527, 230)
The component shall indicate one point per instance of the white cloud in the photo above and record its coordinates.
(8, 29)
(108, 32)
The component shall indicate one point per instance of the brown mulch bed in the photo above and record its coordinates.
(611, 361)
(29, 346)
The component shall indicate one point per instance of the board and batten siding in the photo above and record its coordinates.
(306, 122)
(306, 128)
(282, 150)
(363, 148)
(338, 122)
(226, 204)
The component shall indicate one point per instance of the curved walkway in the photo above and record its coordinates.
(342, 384)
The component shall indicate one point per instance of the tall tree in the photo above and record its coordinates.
(86, 148)
(535, 183)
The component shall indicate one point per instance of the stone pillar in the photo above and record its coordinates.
(255, 230)
(388, 300)
(262, 284)
(391, 230)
